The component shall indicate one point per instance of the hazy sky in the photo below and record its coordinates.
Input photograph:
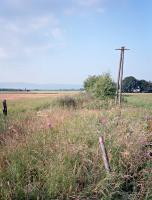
(64, 41)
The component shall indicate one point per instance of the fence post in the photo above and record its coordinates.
(4, 107)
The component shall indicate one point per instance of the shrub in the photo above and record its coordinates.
(100, 86)
(66, 101)
(89, 83)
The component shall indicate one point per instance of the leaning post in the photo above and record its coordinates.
(104, 154)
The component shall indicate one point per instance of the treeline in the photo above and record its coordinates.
(131, 84)
(38, 90)
(11, 90)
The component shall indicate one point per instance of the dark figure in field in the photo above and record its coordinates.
(4, 107)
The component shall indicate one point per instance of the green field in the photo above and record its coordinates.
(49, 149)
(143, 100)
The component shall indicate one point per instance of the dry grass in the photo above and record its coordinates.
(31, 95)
(53, 153)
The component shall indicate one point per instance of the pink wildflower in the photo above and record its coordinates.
(49, 125)
(103, 120)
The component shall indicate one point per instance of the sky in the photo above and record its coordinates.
(65, 41)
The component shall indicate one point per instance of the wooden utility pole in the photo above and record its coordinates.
(120, 76)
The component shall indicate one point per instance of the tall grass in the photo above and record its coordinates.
(63, 161)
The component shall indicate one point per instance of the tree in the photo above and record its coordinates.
(101, 86)
(130, 84)
(143, 85)
(149, 89)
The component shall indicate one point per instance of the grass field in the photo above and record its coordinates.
(49, 148)
(33, 94)
(140, 100)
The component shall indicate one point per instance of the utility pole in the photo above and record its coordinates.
(120, 76)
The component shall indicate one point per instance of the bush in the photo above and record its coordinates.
(101, 86)
(66, 101)
(90, 82)
(78, 101)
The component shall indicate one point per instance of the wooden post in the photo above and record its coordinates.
(104, 154)
(120, 77)
(4, 107)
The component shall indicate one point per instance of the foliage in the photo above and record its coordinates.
(66, 102)
(101, 86)
(131, 84)
(90, 82)
(145, 86)
(75, 101)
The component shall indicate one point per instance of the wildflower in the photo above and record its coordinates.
(49, 125)
(103, 121)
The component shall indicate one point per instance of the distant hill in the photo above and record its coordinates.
(32, 86)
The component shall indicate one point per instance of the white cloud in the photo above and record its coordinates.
(100, 10)
(16, 3)
(13, 28)
(30, 50)
(82, 7)
(30, 35)
(39, 22)
(27, 25)
(3, 53)
(43, 21)
(88, 3)
(57, 33)
(69, 11)
(42, 7)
